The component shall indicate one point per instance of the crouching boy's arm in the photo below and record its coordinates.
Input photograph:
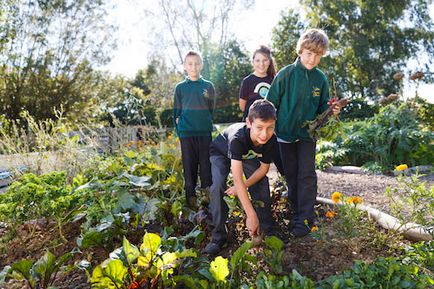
(252, 221)
(257, 175)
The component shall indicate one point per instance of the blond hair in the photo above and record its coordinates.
(314, 40)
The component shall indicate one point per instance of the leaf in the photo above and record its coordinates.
(90, 238)
(274, 243)
(116, 271)
(44, 267)
(145, 261)
(138, 181)
(219, 269)
(167, 262)
(4, 273)
(23, 268)
(126, 201)
(239, 254)
(151, 242)
(130, 154)
(131, 251)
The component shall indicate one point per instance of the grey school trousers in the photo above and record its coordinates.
(220, 168)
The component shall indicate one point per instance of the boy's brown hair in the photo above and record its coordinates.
(193, 53)
(262, 109)
(314, 40)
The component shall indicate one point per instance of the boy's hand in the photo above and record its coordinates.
(252, 224)
(231, 191)
(336, 109)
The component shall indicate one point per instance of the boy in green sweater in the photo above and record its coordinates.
(300, 92)
(192, 114)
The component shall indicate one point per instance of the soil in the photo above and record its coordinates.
(315, 256)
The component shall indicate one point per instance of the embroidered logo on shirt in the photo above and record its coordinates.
(251, 155)
(316, 91)
(205, 93)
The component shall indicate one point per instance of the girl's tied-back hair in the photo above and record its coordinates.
(267, 52)
(314, 40)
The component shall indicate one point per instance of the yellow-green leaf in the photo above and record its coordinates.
(151, 242)
(130, 154)
(219, 268)
(145, 261)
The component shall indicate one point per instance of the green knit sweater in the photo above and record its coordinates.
(298, 95)
(193, 106)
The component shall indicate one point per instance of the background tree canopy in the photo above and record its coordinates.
(51, 54)
(48, 52)
(370, 41)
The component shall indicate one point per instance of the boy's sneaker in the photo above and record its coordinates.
(213, 248)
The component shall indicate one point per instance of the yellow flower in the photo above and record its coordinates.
(314, 229)
(336, 197)
(331, 214)
(354, 200)
(402, 167)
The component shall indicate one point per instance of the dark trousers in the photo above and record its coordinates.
(298, 160)
(277, 160)
(195, 155)
(220, 167)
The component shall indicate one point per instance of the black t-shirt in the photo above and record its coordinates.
(235, 143)
(254, 88)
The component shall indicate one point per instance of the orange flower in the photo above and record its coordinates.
(354, 200)
(314, 229)
(336, 197)
(331, 214)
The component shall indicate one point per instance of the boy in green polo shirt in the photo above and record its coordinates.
(192, 115)
(300, 92)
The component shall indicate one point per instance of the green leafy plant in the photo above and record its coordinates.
(412, 201)
(383, 273)
(47, 196)
(39, 274)
(151, 266)
(328, 154)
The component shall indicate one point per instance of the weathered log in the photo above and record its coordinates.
(411, 231)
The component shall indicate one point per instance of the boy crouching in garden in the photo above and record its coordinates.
(244, 148)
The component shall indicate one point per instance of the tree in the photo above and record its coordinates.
(370, 41)
(284, 37)
(48, 53)
(228, 65)
(195, 25)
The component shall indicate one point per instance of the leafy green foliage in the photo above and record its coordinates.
(394, 135)
(228, 65)
(48, 56)
(368, 42)
(328, 154)
(32, 197)
(416, 199)
(39, 274)
(383, 273)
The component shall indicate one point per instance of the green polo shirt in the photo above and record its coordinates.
(193, 106)
(299, 95)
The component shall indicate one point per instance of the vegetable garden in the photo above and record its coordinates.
(118, 220)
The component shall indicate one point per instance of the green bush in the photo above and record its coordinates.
(395, 135)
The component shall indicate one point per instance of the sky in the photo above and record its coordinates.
(134, 44)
